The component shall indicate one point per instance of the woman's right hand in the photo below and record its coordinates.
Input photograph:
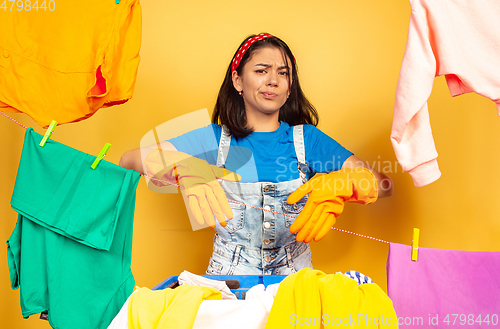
(197, 178)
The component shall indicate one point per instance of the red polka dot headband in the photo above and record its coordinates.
(241, 52)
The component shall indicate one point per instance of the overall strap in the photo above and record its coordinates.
(298, 142)
(225, 140)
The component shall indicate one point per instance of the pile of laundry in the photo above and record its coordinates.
(307, 298)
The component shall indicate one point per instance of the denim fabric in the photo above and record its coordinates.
(236, 259)
(256, 241)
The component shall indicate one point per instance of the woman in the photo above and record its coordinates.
(266, 120)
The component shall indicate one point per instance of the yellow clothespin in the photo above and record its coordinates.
(414, 245)
(101, 155)
(49, 132)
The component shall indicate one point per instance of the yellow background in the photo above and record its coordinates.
(349, 55)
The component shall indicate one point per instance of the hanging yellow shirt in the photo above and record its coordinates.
(313, 299)
(63, 60)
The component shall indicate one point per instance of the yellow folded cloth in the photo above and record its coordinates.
(313, 299)
(168, 308)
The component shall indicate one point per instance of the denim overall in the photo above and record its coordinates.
(256, 241)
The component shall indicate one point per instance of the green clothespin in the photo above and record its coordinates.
(117, 1)
(49, 132)
(101, 155)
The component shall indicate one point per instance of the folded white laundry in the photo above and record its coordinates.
(251, 313)
(187, 277)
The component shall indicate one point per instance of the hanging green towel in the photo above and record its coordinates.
(71, 249)
(56, 188)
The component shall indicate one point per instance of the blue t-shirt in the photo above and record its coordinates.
(266, 156)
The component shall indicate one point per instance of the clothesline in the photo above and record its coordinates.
(5, 115)
(275, 212)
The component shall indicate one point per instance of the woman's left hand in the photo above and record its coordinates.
(327, 194)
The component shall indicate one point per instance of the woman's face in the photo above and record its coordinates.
(264, 81)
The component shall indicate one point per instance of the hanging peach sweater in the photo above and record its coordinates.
(456, 38)
(65, 60)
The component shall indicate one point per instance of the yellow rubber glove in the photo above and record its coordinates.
(327, 194)
(198, 178)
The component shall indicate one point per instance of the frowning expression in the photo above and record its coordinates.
(264, 81)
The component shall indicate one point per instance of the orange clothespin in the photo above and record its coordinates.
(414, 244)
(49, 132)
